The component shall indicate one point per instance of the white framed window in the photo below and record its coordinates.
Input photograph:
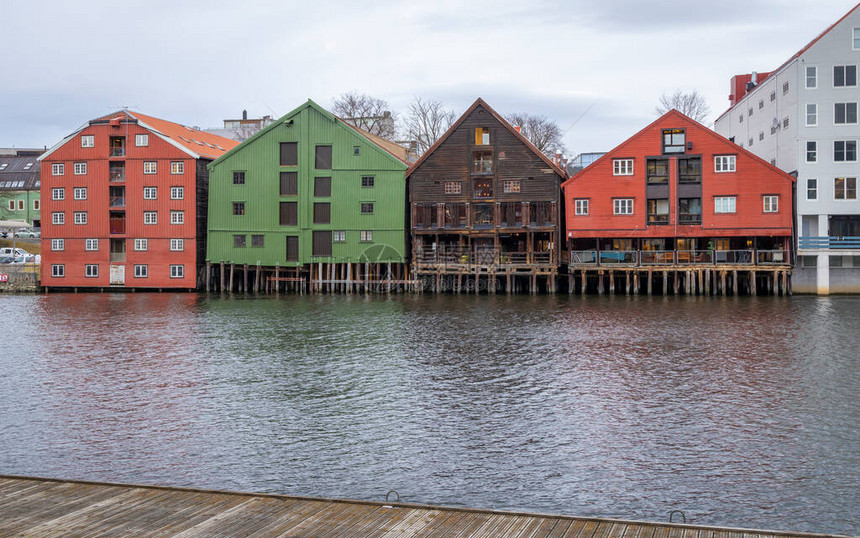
(724, 163)
(785, 88)
(771, 204)
(622, 206)
(855, 39)
(140, 271)
(58, 244)
(20, 205)
(58, 218)
(760, 104)
(91, 244)
(88, 141)
(366, 235)
(36, 205)
(177, 217)
(150, 193)
(511, 185)
(177, 271)
(845, 151)
(338, 236)
(150, 217)
(80, 217)
(58, 270)
(141, 140)
(812, 189)
(150, 167)
(761, 135)
(725, 204)
(58, 193)
(622, 167)
(80, 193)
(785, 122)
(845, 113)
(580, 206)
(80, 169)
(177, 167)
(772, 97)
(177, 193)
(141, 244)
(91, 270)
(177, 245)
(811, 77)
(811, 114)
(844, 76)
(845, 188)
(58, 169)
(11, 205)
(453, 187)
(811, 151)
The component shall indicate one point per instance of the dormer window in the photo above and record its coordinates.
(482, 136)
(674, 140)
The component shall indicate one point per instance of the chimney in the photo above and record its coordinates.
(518, 128)
(244, 114)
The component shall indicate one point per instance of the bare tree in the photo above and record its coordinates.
(426, 121)
(540, 131)
(365, 112)
(691, 104)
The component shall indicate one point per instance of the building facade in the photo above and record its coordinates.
(485, 208)
(125, 197)
(312, 196)
(803, 117)
(678, 206)
(19, 186)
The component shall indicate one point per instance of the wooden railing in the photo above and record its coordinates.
(648, 258)
(460, 256)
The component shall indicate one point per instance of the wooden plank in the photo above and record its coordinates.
(538, 527)
(29, 516)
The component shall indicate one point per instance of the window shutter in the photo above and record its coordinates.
(322, 243)
(289, 183)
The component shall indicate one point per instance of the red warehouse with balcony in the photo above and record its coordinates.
(681, 200)
(124, 203)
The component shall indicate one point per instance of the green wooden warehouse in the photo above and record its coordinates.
(308, 202)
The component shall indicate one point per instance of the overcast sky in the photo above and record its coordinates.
(598, 68)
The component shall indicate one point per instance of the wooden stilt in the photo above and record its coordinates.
(611, 282)
(753, 290)
(665, 283)
(636, 283)
(222, 275)
(701, 282)
(257, 279)
(508, 285)
(650, 279)
(208, 275)
(570, 283)
(735, 282)
(722, 282)
(584, 283)
(675, 281)
(627, 282)
(232, 270)
(600, 283)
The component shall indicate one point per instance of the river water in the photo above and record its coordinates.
(738, 411)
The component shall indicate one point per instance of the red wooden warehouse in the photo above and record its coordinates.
(124, 202)
(678, 206)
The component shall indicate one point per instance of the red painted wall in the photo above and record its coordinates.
(753, 179)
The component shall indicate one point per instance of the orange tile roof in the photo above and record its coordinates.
(207, 145)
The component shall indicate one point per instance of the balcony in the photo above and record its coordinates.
(117, 201)
(117, 152)
(117, 174)
(117, 225)
(828, 242)
(456, 258)
(689, 219)
(677, 258)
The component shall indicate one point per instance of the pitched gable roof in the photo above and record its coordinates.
(480, 102)
(398, 151)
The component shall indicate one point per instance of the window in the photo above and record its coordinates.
(88, 141)
(11, 205)
(771, 204)
(761, 136)
(177, 193)
(150, 167)
(482, 188)
(91, 244)
(674, 140)
(690, 170)
(724, 163)
(292, 248)
(177, 217)
(658, 211)
(785, 122)
(785, 88)
(367, 181)
(622, 167)
(239, 241)
(845, 113)
(80, 169)
(811, 114)
(811, 77)
(773, 129)
(322, 158)
(689, 211)
(58, 271)
(141, 140)
(80, 217)
(58, 244)
(356, 150)
(177, 245)
(289, 153)
(811, 151)
(339, 236)
(36, 205)
(453, 187)
(750, 112)
(741, 118)
(760, 104)
(177, 271)
(321, 244)
(238, 208)
(288, 214)
(58, 194)
(750, 142)
(580, 206)
(511, 185)
(844, 75)
(91, 271)
(141, 244)
(322, 187)
(58, 218)
(367, 208)
(238, 178)
(289, 183)
(482, 136)
(366, 235)
(177, 167)
(855, 41)
(150, 217)
(257, 240)
(845, 188)
(80, 193)
(150, 193)
(658, 171)
(812, 189)
(58, 169)
(772, 97)
(482, 162)
(845, 151)
(140, 271)
(20, 205)
(623, 206)
(724, 204)
(322, 213)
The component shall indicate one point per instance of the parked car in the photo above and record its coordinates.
(13, 260)
(6, 252)
(28, 232)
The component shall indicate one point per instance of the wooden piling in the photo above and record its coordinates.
(221, 289)
(232, 270)
(208, 275)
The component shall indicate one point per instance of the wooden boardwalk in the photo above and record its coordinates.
(48, 507)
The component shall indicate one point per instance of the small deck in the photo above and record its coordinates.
(40, 507)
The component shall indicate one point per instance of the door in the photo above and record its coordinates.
(117, 275)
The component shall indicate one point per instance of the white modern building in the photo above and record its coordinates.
(803, 117)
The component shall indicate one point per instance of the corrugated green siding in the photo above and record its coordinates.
(28, 214)
(259, 158)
